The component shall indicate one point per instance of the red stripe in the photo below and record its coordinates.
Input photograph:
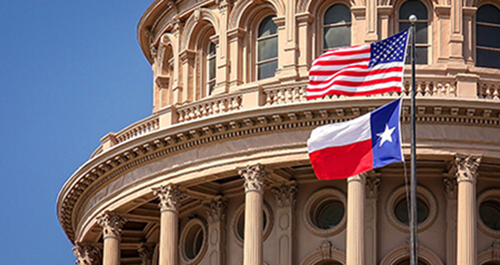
(342, 161)
(360, 93)
(357, 74)
(337, 61)
(357, 84)
(345, 51)
(330, 72)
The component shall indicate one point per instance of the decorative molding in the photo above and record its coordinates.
(216, 209)
(285, 194)
(111, 224)
(87, 255)
(372, 186)
(169, 196)
(254, 178)
(450, 187)
(466, 167)
(325, 252)
(403, 252)
(491, 254)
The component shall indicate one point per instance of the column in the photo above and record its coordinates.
(372, 191)
(285, 213)
(223, 60)
(86, 255)
(355, 240)
(169, 220)
(112, 225)
(254, 199)
(466, 173)
(450, 191)
(216, 209)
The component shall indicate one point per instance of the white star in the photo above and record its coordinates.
(386, 135)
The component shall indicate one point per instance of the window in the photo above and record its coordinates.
(337, 27)
(401, 211)
(488, 36)
(193, 241)
(324, 213)
(422, 41)
(211, 68)
(267, 48)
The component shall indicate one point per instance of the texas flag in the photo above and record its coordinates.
(345, 149)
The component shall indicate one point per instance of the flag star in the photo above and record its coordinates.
(386, 135)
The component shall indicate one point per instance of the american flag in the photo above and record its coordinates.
(360, 70)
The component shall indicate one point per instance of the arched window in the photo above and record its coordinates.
(267, 48)
(488, 36)
(337, 27)
(211, 68)
(422, 41)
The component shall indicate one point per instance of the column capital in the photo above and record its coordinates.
(111, 224)
(146, 253)
(372, 185)
(254, 177)
(466, 167)
(86, 255)
(169, 196)
(285, 194)
(450, 187)
(216, 209)
(360, 177)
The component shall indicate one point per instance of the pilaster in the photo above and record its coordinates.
(146, 253)
(285, 213)
(223, 61)
(216, 209)
(304, 42)
(384, 14)
(450, 191)
(235, 42)
(372, 192)
(466, 174)
(468, 24)
(176, 32)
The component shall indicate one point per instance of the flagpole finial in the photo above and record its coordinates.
(413, 18)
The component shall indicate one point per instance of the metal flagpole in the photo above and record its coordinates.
(413, 182)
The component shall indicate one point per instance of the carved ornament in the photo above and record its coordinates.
(285, 194)
(170, 196)
(216, 209)
(466, 167)
(372, 186)
(87, 255)
(111, 224)
(254, 178)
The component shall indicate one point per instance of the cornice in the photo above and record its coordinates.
(106, 166)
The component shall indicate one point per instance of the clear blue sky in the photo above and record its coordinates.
(70, 72)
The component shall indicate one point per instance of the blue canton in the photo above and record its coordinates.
(392, 49)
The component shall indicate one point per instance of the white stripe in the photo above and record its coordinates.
(339, 57)
(342, 77)
(336, 67)
(340, 134)
(355, 88)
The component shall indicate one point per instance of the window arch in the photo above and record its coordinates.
(336, 27)
(422, 45)
(488, 36)
(267, 48)
(211, 64)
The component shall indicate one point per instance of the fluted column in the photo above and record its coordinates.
(169, 207)
(216, 209)
(112, 225)
(355, 242)
(466, 173)
(254, 199)
(285, 213)
(86, 255)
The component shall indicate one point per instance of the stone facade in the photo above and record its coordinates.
(219, 173)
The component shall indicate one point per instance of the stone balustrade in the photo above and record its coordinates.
(489, 89)
(139, 128)
(209, 107)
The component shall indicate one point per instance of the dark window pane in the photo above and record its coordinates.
(267, 70)
(401, 211)
(211, 49)
(489, 14)
(337, 14)
(487, 58)
(329, 214)
(413, 7)
(489, 212)
(422, 34)
(335, 37)
(420, 55)
(267, 49)
(267, 27)
(211, 68)
(488, 36)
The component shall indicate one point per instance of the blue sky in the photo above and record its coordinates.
(70, 72)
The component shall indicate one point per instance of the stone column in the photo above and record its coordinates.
(372, 191)
(254, 199)
(466, 173)
(216, 209)
(285, 213)
(355, 241)
(87, 255)
(112, 225)
(169, 220)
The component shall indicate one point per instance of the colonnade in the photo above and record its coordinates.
(464, 178)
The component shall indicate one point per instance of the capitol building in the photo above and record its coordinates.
(219, 174)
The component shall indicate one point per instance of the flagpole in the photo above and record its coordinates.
(413, 183)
